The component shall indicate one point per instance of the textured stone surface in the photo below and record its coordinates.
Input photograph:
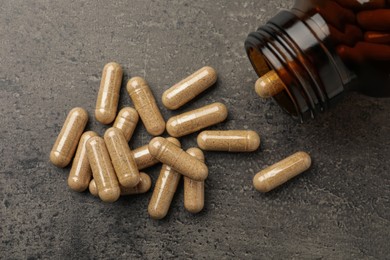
(51, 57)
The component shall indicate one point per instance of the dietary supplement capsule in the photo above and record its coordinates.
(108, 97)
(172, 155)
(165, 188)
(189, 88)
(92, 188)
(126, 121)
(143, 158)
(229, 141)
(269, 85)
(65, 146)
(121, 157)
(142, 187)
(80, 173)
(281, 172)
(194, 190)
(146, 105)
(197, 119)
(102, 170)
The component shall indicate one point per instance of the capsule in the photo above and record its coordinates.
(146, 105)
(165, 188)
(142, 187)
(172, 155)
(102, 170)
(194, 190)
(279, 173)
(80, 173)
(189, 88)
(197, 119)
(93, 189)
(229, 141)
(65, 146)
(108, 97)
(126, 121)
(143, 158)
(269, 85)
(121, 157)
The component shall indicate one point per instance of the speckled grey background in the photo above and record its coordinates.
(51, 57)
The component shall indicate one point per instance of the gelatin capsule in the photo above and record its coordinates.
(80, 173)
(142, 187)
(189, 88)
(172, 155)
(279, 173)
(165, 188)
(197, 119)
(229, 141)
(143, 158)
(194, 190)
(102, 170)
(146, 105)
(93, 188)
(65, 146)
(126, 121)
(108, 97)
(269, 85)
(121, 157)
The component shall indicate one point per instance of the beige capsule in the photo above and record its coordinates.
(172, 155)
(93, 188)
(146, 105)
(108, 96)
(143, 158)
(165, 188)
(80, 173)
(142, 187)
(269, 85)
(197, 119)
(229, 141)
(102, 169)
(194, 190)
(121, 157)
(65, 146)
(279, 173)
(127, 121)
(189, 88)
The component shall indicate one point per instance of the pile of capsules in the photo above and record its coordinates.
(109, 168)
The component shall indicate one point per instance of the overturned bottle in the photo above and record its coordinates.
(308, 56)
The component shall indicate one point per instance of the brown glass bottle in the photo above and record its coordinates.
(320, 48)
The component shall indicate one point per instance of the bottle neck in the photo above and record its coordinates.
(299, 49)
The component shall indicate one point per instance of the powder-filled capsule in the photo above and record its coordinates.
(146, 105)
(126, 121)
(197, 119)
(194, 190)
(269, 85)
(229, 141)
(142, 187)
(108, 96)
(102, 170)
(121, 157)
(279, 173)
(172, 155)
(143, 158)
(65, 146)
(165, 188)
(189, 88)
(80, 173)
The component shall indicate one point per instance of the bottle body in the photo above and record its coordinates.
(320, 48)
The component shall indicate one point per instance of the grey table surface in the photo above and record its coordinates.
(51, 57)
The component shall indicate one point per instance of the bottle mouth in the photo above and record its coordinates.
(261, 67)
(297, 51)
